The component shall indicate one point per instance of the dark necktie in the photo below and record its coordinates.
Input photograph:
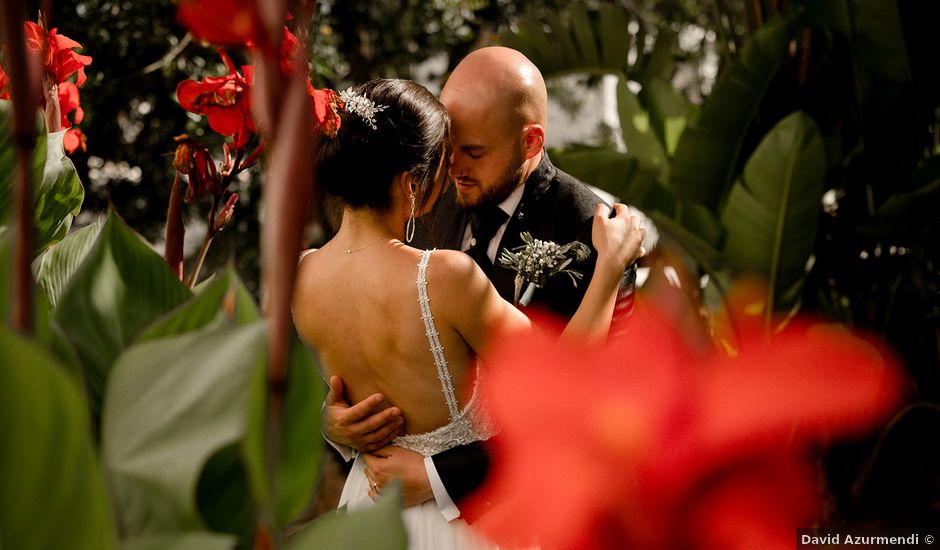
(484, 222)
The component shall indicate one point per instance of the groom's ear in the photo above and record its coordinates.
(534, 140)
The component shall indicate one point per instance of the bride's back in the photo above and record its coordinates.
(361, 312)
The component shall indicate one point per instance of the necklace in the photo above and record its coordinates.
(351, 250)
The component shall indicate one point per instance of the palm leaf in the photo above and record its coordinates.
(707, 154)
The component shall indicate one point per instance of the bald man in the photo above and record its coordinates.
(504, 184)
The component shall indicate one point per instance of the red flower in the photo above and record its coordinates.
(73, 139)
(225, 100)
(644, 445)
(222, 22)
(326, 106)
(58, 53)
(194, 160)
(71, 113)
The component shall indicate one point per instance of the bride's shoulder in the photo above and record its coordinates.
(454, 269)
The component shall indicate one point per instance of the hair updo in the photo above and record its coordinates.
(412, 134)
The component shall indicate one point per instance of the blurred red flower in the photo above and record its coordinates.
(59, 57)
(645, 445)
(225, 100)
(4, 85)
(221, 22)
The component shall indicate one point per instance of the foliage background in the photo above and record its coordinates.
(876, 104)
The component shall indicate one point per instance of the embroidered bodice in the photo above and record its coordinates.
(465, 426)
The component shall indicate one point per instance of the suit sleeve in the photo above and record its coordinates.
(462, 469)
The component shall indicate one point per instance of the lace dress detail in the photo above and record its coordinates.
(465, 426)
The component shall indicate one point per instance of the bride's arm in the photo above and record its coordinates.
(618, 242)
(477, 311)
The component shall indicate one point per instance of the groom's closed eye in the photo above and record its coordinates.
(472, 151)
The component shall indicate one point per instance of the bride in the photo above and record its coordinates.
(409, 324)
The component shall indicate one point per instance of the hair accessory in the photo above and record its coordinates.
(358, 104)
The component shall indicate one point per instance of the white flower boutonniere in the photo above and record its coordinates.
(537, 260)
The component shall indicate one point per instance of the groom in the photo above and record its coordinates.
(504, 184)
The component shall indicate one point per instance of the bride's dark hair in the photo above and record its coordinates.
(412, 134)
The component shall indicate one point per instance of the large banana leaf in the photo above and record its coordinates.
(706, 157)
(120, 288)
(51, 491)
(773, 211)
(579, 41)
(638, 132)
(620, 174)
(669, 112)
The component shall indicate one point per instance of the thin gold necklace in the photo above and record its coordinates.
(350, 251)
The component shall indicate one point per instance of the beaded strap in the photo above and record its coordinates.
(437, 350)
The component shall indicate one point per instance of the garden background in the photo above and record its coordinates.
(794, 141)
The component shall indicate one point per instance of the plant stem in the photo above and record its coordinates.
(24, 137)
(210, 234)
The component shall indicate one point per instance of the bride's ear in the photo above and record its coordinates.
(407, 184)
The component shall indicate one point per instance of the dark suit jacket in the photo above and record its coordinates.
(556, 207)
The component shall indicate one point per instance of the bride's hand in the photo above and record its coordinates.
(618, 240)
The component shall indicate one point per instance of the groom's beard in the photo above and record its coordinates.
(508, 181)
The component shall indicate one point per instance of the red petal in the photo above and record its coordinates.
(190, 94)
(225, 120)
(221, 22)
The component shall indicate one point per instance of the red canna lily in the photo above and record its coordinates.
(647, 445)
(225, 100)
(222, 22)
(326, 106)
(59, 57)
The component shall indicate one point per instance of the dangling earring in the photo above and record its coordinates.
(410, 226)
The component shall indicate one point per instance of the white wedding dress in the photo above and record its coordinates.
(427, 529)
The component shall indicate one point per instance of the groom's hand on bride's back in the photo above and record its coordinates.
(359, 426)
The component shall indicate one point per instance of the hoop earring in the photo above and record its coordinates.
(410, 226)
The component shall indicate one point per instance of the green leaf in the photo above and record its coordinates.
(905, 216)
(222, 494)
(669, 112)
(706, 156)
(577, 41)
(8, 158)
(584, 34)
(209, 304)
(195, 540)
(772, 214)
(300, 453)
(378, 527)
(51, 491)
(171, 404)
(121, 287)
(880, 47)
(638, 133)
(620, 174)
(58, 195)
(57, 264)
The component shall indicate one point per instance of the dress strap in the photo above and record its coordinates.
(437, 350)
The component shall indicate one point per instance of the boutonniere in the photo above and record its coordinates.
(537, 260)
